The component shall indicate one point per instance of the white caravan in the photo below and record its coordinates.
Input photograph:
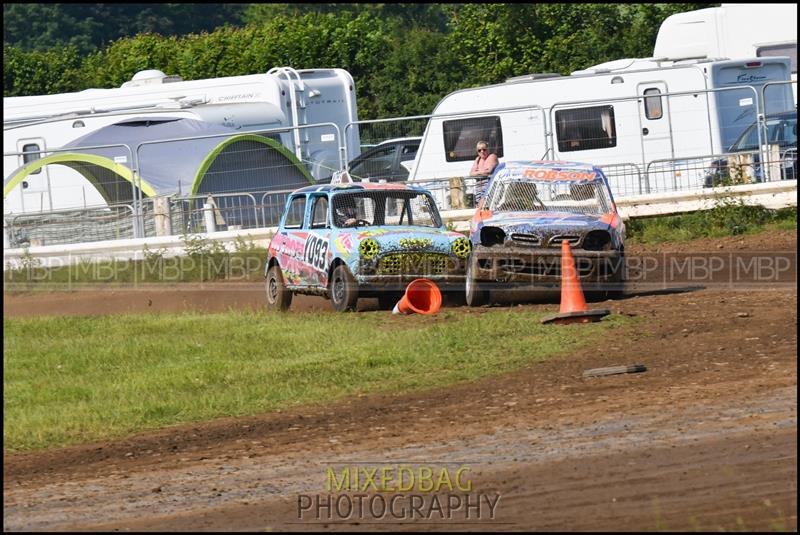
(732, 31)
(626, 113)
(283, 97)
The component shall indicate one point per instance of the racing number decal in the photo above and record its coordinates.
(315, 252)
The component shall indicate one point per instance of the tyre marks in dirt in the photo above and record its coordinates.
(623, 470)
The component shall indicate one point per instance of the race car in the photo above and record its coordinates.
(529, 209)
(353, 240)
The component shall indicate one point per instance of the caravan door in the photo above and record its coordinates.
(655, 122)
(35, 194)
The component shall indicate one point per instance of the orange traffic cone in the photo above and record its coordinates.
(573, 305)
(422, 297)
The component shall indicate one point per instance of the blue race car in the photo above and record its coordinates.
(347, 241)
(528, 210)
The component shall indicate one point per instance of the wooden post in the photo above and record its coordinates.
(162, 216)
(457, 193)
(773, 167)
(741, 168)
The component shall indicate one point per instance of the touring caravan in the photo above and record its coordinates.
(626, 114)
(283, 97)
(732, 31)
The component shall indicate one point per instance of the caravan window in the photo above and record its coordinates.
(31, 154)
(586, 128)
(461, 136)
(787, 49)
(652, 105)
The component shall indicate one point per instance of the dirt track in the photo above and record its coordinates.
(705, 439)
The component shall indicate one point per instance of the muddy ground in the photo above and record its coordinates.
(705, 439)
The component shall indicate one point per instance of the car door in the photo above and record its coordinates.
(288, 245)
(317, 251)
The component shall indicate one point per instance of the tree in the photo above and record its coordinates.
(88, 27)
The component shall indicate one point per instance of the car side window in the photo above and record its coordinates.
(749, 140)
(295, 213)
(319, 212)
(378, 163)
(409, 152)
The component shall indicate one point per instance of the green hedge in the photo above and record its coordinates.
(400, 66)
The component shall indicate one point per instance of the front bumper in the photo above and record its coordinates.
(525, 265)
(395, 270)
(400, 282)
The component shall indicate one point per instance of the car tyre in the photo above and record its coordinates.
(278, 296)
(343, 290)
(476, 294)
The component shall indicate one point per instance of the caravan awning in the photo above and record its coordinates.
(172, 160)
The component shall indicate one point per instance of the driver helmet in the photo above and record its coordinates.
(346, 212)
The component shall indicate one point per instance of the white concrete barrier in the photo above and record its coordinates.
(771, 195)
(168, 246)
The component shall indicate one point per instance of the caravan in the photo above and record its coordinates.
(282, 98)
(628, 116)
(732, 31)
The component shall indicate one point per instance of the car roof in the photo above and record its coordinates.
(399, 140)
(578, 171)
(360, 186)
(384, 144)
(787, 113)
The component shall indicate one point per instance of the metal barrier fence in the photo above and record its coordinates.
(232, 172)
(135, 210)
(83, 225)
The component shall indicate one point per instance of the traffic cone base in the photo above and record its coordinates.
(579, 316)
(422, 297)
(573, 305)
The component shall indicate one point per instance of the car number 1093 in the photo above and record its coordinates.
(315, 251)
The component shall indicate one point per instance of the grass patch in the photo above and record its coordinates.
(726, 219)
(204, 261)
(75, 379)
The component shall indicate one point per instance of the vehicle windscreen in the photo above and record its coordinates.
(384, 208)
(781, 131)
(523, 195)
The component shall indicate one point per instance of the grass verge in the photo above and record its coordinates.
(726, 219)
(75, 379)
(200, 264)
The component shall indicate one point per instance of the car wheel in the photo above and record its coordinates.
(476, 295)
(278, 296)
(343, 290)
(617, 285)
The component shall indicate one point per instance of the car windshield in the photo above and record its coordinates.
(780, 130)
(398, 207)
(523, 195)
